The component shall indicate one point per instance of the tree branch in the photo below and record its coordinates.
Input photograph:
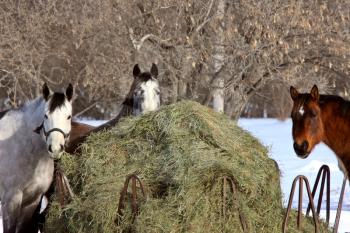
(206, 18)
(138, 44)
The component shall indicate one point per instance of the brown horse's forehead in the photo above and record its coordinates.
(301, 101)
(302, 104)
(311, 104)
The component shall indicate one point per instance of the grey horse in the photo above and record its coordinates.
(31, 137)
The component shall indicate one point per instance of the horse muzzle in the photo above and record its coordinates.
(301, 149)
(55, 152)
(55, 155)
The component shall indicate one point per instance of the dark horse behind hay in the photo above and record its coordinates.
(143, 97)
(31, 137)
(321, 118)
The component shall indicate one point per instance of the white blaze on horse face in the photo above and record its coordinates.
(60, 118)
(301, 111)
(151, 96)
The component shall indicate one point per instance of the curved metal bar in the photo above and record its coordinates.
(300, 178)
(123, 194)
(340, 205)
(325, 173)
(228, 181)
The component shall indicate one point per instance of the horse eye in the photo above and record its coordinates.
(46, 116)
(138, 92)
(69, 117)
(313, 114)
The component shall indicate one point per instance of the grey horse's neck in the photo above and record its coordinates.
(33, 112)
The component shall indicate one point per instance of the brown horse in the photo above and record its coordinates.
(321, 118)
(78, 130)
(143, 97)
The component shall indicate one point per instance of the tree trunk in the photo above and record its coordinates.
(182, 89)
(219, 57)
(236, 104)
(218, 95)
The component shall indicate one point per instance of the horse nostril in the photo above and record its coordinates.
(296, 146)
(50, 148)
(302, 147)
(61, 147)
(305, 145)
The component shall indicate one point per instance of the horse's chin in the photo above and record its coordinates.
(303, 155)
(55, 156)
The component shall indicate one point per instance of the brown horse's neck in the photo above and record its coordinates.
(336, 123)
(126, 110)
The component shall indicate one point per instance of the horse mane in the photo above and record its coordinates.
(331, 98)
(325, 99)
(343, 106)
(126, 110)
(127, 105)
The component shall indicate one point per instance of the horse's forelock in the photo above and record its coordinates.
(56, 101)
(144, 77)
(303, 100)
(141, 79)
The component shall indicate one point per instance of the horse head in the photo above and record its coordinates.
(146, 92)
(56, 125)
(308, 129)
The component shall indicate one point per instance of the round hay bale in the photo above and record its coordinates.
(183, 154)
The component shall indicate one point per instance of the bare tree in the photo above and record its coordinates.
(220, 53)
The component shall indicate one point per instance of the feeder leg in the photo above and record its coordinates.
(340, 205)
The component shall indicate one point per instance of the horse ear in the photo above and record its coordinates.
(294, 93)
(46, 92)
(136, 72)
(314, 93)
(69, 92)
(154, 70)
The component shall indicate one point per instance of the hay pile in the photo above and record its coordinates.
(181, 153)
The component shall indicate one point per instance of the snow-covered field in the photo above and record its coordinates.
(276, 135)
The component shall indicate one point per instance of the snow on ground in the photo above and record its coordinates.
(277, 136)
